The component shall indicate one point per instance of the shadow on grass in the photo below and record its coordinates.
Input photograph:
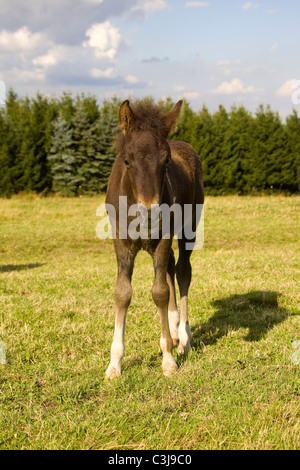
(257, 311)
(7, 268)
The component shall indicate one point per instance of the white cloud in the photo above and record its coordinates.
(190, 95)
(287, 88)
(54, 51)
(274, 47)
(17, 51)
(155, 5)
(223, 63)
(235, 87)
(250, 6)
(196, 4)
(227, 71)
(20, 40)
(179, 88)
(45, 60)
(149, 6)
(104, 38)
(259, 70)
(107, 73)
(55, 18)
(27, 75)
(52, 57)
(225, 66)
(131, 79)
(75, 65)
(272, 12)
(226, 63)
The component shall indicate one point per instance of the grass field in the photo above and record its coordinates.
(239, 387)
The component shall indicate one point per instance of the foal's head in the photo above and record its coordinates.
(144, 148)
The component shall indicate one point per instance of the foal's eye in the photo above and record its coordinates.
(167, 161)
(126, 162)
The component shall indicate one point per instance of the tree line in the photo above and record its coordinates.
(65, 145)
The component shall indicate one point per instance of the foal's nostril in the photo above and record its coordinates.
(149, 217)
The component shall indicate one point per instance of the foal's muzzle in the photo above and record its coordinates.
(149, 217)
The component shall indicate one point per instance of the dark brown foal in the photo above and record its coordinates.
(152, 172)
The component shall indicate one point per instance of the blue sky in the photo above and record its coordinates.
(213, 52)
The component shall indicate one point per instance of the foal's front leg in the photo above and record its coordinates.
(123, 293)
(160, 294)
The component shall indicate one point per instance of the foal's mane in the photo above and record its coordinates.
(147, 117)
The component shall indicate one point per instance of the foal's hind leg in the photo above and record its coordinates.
(161, 295)
(184, 275)
(173, 314)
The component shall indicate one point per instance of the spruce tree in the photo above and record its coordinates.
(11, 160)
(238, 145)
(6, 164)
(86, 144)
(68, 145)
(204, 144)
(269, 149)
(187, 127)
(291, 165)
(36, 145)
(90, 106)
(107, 128)
(66, 106)
(62, 159)
(215, 163)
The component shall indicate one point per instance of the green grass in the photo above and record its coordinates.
(238, 389)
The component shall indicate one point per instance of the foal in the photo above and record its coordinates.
(150, 171)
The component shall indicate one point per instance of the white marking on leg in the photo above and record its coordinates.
(168, 363)
(174, 319)
(185, 336)
(116, 352)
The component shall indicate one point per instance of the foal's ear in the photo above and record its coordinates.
(126, 117)
(171, 118)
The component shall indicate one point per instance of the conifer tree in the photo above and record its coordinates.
(66, 106)
(90, 106)
(11, 163)
(62, 159)
(185, 130)
(215, 165)
(36, 145)
(107, 128)
(238, 145)
(204, 143)
(291, 165)
(67, 145)
(6, 160)
(269, 148)
(88, 161)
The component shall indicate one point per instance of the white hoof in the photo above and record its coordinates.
(112, 373)
(169, 369)
(184, 349)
